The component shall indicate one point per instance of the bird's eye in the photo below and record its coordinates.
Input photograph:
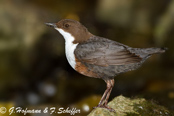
(67, 25)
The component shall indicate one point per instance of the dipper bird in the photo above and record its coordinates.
(99, 57)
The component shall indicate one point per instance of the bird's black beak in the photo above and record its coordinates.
(51, 25)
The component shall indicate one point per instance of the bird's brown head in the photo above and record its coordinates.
(72, 27)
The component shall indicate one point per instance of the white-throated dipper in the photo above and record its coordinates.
(99, 57)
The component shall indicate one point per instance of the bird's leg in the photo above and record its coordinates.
(108, 94)
(104, 100)
(107, 97)
(104, 96)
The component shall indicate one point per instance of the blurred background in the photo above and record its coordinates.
(34, 71)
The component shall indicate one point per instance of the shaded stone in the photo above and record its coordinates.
(131, 107)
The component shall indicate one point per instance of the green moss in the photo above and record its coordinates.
(132, 107)
(151, 108)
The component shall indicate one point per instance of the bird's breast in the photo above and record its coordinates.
(69, 49)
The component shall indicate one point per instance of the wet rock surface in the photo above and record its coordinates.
(132, 107)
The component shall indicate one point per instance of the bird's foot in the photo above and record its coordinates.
(106, 107)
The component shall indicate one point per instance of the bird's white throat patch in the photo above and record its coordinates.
(69, 47)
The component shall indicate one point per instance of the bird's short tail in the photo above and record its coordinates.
(155, 50)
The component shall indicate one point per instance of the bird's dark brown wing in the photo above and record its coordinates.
(104, 52)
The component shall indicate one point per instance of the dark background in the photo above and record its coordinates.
(34, 71)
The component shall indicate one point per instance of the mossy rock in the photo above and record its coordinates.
(132, 107)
